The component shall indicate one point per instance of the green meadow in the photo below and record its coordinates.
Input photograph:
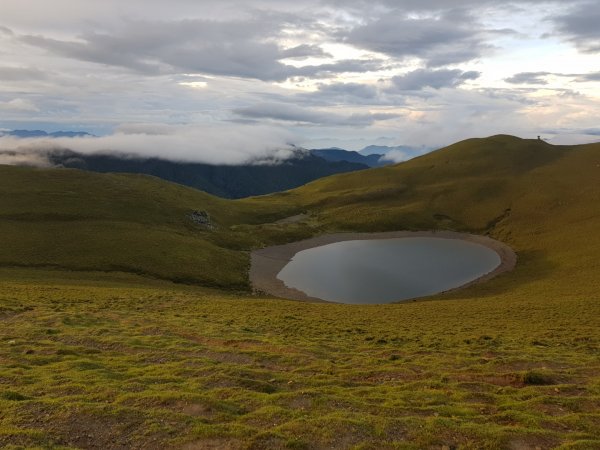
(124, 324)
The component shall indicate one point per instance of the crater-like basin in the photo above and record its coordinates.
(378, 268)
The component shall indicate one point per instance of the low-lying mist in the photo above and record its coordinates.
(231, 144)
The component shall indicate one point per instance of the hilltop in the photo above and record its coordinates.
(128, 324)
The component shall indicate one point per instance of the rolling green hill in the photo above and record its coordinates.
(124, 324)
(80, 221)
(543, 200)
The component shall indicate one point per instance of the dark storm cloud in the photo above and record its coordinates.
(581, 26)
(294, 113)
(528, 78)
(436, 79)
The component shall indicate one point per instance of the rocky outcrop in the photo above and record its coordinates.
(201, 218)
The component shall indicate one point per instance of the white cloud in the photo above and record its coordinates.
(397, 156)
(212, 144)
(16, 158)
(19, 104)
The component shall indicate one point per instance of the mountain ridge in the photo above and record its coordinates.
(41, 133)
(339, 154)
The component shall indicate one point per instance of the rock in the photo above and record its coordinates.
(201, 218)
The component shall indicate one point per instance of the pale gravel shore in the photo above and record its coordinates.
(266, 263)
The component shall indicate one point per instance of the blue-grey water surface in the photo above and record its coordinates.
(387, 270)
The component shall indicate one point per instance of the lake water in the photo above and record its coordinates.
(387, 270)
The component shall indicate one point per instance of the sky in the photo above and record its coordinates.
(233, 81)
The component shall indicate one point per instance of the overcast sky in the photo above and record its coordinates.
(228, 80)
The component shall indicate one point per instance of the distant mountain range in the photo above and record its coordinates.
(384, 149)
(221, 180)
(373, 155)
(40, 133)
(338, 154)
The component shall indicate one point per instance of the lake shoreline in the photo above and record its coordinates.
(266, 263)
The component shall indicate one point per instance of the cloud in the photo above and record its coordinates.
(294, 113)
(229, 144)
(427, 5)
(304, 51)
(539, 77)
(231, 48)
(593, 76)
(6, 31)
(226, 48)
(342, 94)
(18, 104)
(24, 158)
(436, 79)
(399, 155)
(528, 78)
(339, 67)
(21, 74)
(580, 26)
(348, 90)
(592, 131)
(439, 41)
(343, 70)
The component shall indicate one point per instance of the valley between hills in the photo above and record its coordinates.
(126, 324)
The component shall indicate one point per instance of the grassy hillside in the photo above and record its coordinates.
(74, 220)
(543, 200)
(93, 358)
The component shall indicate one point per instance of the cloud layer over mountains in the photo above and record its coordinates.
(211, 144)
